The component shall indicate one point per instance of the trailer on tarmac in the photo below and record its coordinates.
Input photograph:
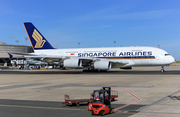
(114, 94)
(67, 100)
(76, 101)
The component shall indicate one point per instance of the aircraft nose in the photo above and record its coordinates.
(172, 59)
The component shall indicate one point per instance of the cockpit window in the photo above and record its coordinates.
(167, 54)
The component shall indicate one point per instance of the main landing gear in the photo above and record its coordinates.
(91, 69)
(162, 69)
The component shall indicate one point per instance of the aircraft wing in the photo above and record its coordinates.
(119, 61)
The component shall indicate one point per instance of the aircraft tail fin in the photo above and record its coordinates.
(36, 38)
(10, 56)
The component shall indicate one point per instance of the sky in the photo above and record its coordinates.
(95, 23)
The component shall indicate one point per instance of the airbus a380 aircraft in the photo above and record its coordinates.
(95, 58)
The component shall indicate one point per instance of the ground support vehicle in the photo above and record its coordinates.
(114, 94)
(101, 103)
(76, 101)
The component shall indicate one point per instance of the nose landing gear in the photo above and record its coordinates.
(162, 69)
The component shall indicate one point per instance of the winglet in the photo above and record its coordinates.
(10, 56)
(36, 38)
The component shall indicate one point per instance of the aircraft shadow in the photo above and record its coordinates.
(171, 72)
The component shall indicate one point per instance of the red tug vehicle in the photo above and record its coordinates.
(101, 103)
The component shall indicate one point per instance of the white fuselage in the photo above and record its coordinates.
(135, 56)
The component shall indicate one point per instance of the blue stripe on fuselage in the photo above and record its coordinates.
(129, 57)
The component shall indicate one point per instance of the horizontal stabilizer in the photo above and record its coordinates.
(10, 56)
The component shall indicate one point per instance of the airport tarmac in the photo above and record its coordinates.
(142, 91)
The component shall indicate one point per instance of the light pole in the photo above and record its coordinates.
(79, 44)
(26, 38)
(17, 50)
(114, 43)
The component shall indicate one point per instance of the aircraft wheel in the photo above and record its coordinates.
(77, 104)
(74, 104)
(103, 70)
(162, 70)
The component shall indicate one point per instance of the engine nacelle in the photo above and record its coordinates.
(72, 63)
(125, 67)
(102, 65)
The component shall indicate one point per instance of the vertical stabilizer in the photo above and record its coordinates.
(36, 38)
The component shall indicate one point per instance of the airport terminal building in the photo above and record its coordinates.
(4, 49)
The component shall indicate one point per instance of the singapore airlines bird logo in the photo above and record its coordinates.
(39, 39)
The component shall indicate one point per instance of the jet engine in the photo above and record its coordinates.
(72, 63)
(102, 65)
